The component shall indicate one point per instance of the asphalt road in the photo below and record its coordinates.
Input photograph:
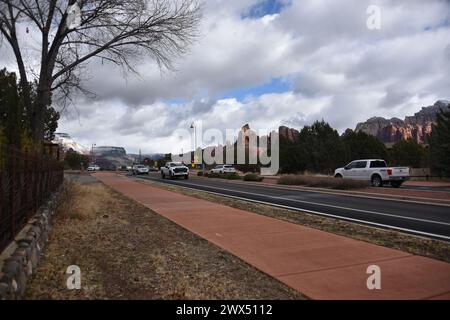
(421, 219)
(423, 188)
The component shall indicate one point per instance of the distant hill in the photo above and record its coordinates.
(389, 131)
(67, 143)
(153, 156)
(417, 127)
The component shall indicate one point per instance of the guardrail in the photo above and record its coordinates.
(26, 182)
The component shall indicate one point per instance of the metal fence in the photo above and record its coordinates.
(26, 182)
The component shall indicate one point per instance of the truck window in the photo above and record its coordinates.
(361, 164)
(378, 164)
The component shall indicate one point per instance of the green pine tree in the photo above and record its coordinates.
(440, 144)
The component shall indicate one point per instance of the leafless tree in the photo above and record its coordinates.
(114, 30)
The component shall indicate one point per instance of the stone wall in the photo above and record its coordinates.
(21, 257)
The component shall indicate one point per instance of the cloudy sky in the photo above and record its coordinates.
(271, 63)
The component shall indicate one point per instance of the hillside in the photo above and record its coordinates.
(417, 127)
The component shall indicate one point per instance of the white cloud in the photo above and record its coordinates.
(338, 70)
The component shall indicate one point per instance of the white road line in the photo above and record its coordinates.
(324, 205)
(365, 211)
(438, 236)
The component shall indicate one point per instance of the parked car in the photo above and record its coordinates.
(93, 167)
(140, 169)
(174, 170)
(223, 168)
(153, 169)
(374, 170)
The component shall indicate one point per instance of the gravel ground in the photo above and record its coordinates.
(126, 251)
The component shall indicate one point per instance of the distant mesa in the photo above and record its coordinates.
(417, 127)
(111, 157)
(108, 151)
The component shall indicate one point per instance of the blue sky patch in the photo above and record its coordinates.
(265, 7)
(276, 85)
(175, 101)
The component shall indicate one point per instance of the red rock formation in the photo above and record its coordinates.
(417, 127)
(288, 133)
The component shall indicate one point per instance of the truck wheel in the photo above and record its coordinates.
(163, 175)
(338, 175)
(396, 184)
(376, 181)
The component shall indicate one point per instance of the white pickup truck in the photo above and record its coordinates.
(374, 170)
(174, 170)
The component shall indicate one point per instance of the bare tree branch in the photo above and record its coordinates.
(117, 31)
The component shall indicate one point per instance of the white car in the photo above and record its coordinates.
(223, 168)
(93, 168)
(374, 170)
(140, 169)
(174, 170)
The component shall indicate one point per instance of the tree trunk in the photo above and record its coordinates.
(43, 100)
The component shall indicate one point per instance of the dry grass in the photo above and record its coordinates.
(322, 182)
(126, 251)
(227, 176)
(253, 177)
(388, 238)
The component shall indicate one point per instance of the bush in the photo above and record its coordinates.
(214, 175)
(73, 160)
(322, 182)
(232, 176)
(253, 177)
(229, 176)
(200, 173)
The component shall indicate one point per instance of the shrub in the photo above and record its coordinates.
(229, 176)
(200, 173)
(232, 176)
(214, 175)
(322, 182)
(73, 160)
(253, 177)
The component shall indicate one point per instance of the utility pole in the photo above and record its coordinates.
(195, 142)
(92, 153)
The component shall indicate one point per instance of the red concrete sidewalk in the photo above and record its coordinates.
(319, 264)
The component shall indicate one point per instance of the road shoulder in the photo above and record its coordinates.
(416, 245)
(297, 255)
(126, 251)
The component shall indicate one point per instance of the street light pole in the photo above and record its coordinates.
(193, 126)
(92, 153)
